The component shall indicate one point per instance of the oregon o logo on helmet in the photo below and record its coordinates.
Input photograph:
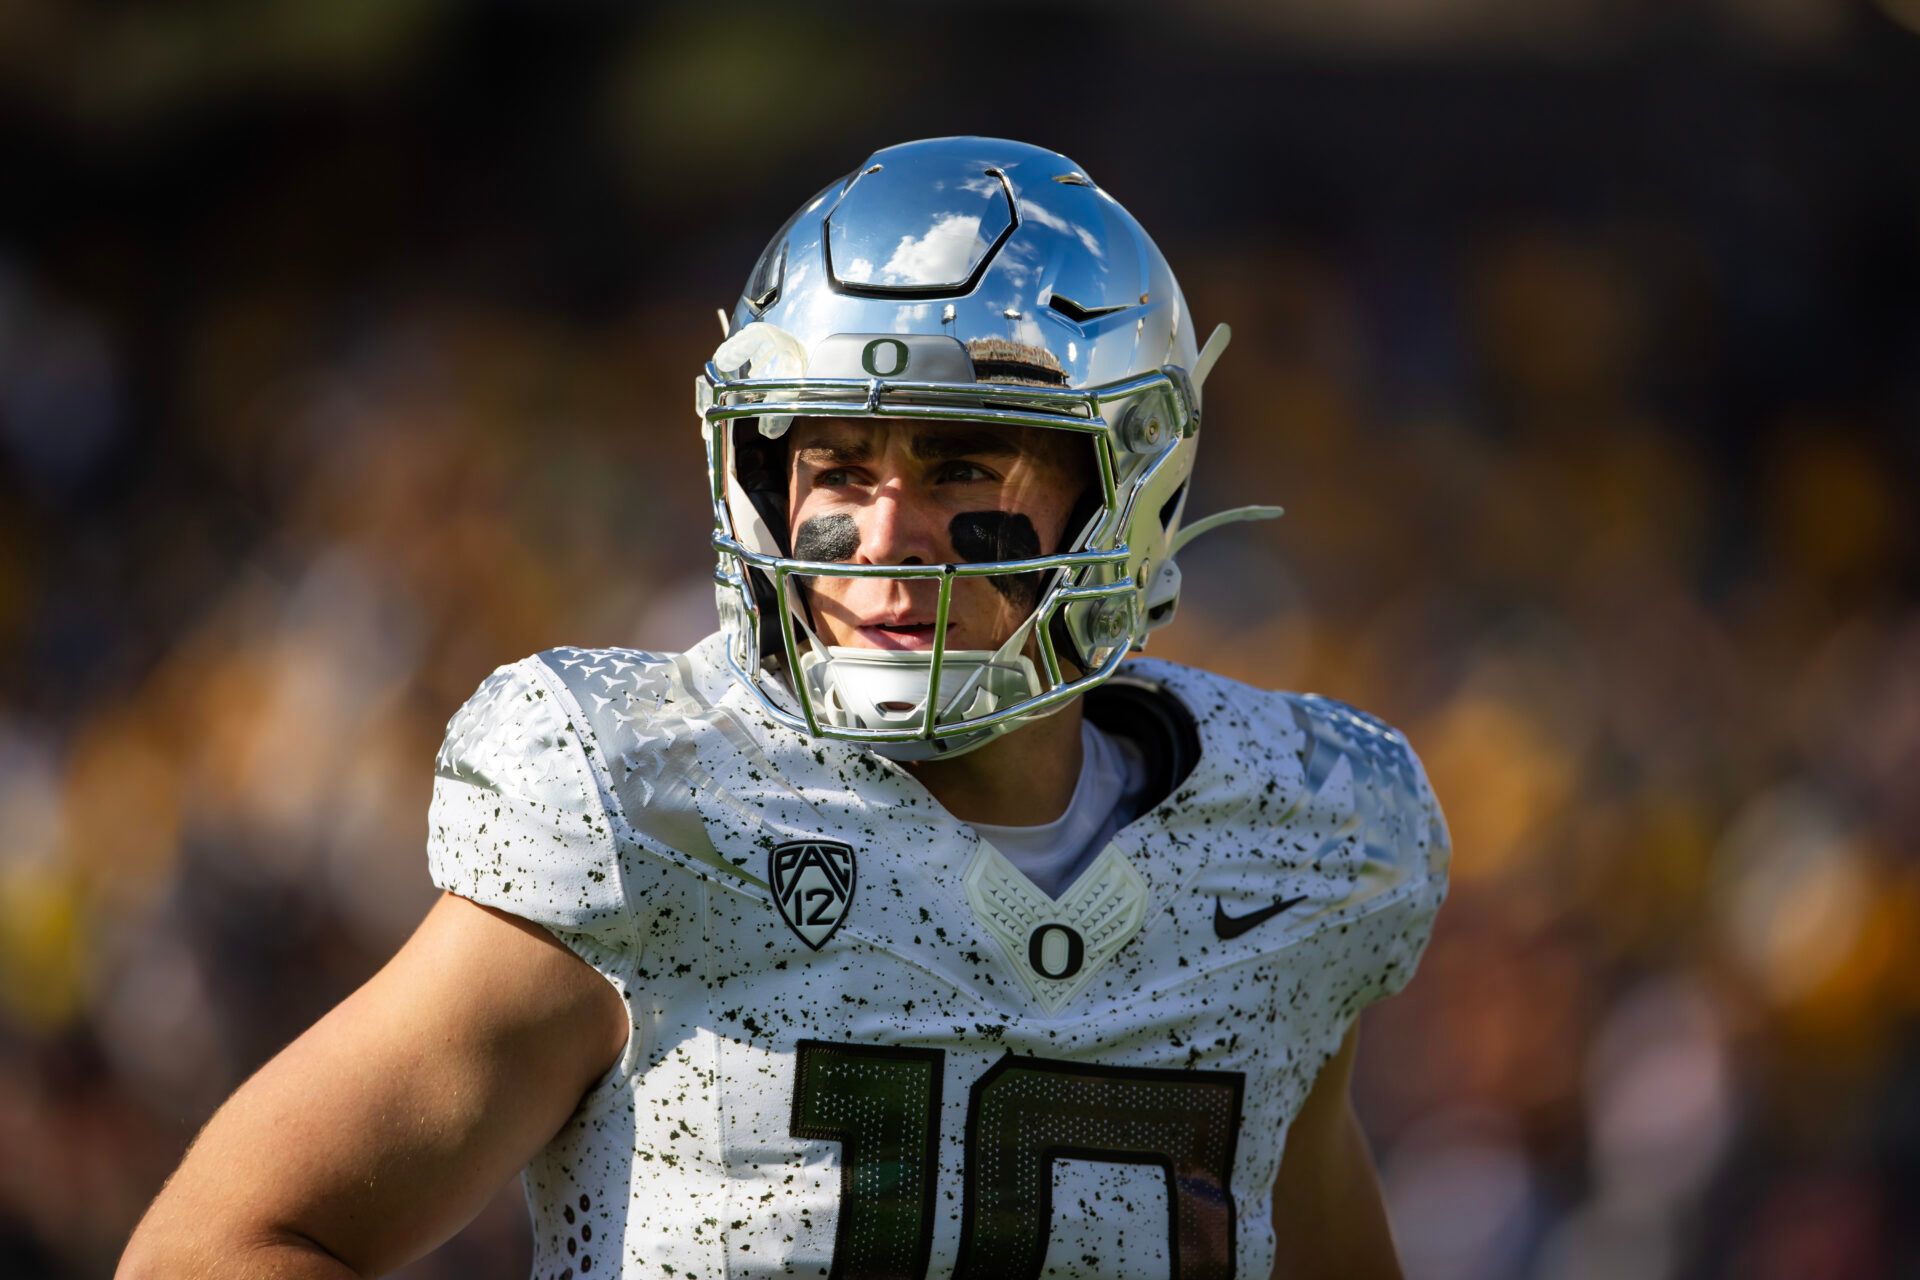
(1056, 951)
(876, 351)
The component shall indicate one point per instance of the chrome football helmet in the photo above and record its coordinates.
(971, 280)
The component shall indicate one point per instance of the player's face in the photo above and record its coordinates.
(877, 491)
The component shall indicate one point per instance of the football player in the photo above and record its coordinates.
(900, 928)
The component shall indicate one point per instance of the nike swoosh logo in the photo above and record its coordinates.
(1226, 926)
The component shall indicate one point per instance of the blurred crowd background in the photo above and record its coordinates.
(346, 351)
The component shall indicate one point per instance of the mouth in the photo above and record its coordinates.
(898, 635)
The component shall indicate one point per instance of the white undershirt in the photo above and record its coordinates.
(1054, 853)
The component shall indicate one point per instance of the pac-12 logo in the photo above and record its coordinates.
(812, 886)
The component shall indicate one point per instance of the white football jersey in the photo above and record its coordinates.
(863, 1044)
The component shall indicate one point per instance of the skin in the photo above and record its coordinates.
(907, 488)
(903, 485)
(387, 1125)
(1328, 1215)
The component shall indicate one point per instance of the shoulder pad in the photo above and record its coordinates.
(634, 680)
(518, 819)
(1334, 730)
(645, 716)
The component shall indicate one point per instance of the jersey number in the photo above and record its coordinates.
(882, 1105)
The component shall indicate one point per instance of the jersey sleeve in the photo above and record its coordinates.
(518, 821)
(1428, 853)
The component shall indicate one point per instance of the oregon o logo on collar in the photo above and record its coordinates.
(891, 351)
(1056, 951)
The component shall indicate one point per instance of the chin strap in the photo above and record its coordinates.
(889, 689)
(1218, 518)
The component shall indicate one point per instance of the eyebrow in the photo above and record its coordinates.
(843, 451)
(943, 446)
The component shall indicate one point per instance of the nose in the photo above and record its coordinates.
(900, 527)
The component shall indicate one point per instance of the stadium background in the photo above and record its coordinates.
(346, 350)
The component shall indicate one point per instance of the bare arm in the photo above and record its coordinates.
(386, 1126)
(1328, 1214)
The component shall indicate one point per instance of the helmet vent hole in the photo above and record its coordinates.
(1073, 179)
(765, 286)
(1079, 313)
(1000, 360)
(1172, 507)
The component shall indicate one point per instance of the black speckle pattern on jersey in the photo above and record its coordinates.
(627, 801)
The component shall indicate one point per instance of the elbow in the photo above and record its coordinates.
(178, 1236)
(167, 1246)
(146, 1257)
(159, 1251)
(176, 1246)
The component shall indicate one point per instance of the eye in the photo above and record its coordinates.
(962, 472)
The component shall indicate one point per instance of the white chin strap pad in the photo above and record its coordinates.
(887, 688)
